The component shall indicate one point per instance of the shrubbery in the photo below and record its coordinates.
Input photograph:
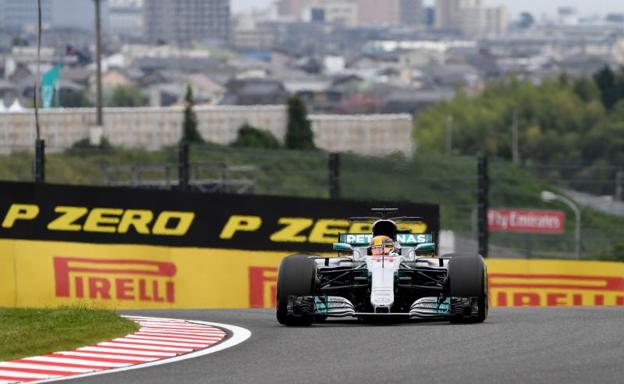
(84, 146)
(249, 136)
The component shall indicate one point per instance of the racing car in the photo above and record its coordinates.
(388, 274)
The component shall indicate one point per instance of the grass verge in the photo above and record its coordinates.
(29, 332)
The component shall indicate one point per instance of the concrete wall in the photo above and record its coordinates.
(153, 128)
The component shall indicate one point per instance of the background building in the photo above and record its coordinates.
(56, 14)
(126, 17)
(292, 8)
(364, 13)
(495, 20)
(470, 17)
(76, 14)
(412, 12)
(343, 12)
(248, 32)
(19, 14)
(183, 22)
(372, 14)
(567, 16)
(446, 14)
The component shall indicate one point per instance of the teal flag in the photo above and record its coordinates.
(49, 84)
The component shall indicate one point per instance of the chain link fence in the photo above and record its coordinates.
(448, 181)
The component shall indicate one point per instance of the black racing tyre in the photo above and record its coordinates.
(467, 277)
(296, 276)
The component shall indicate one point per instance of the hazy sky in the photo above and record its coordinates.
(538, 7)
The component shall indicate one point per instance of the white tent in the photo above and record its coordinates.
(16, 107)
(2, 107)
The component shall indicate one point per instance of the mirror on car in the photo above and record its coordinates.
(425, 247)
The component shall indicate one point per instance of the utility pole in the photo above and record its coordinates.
(619, 178)
(483, 205)
(449, 136)
(39, 161)
(334, 175)
(39, 165)
(183, 167)
(98, 63)
(514, 138)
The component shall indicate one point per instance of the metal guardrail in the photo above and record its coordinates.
(166, 177)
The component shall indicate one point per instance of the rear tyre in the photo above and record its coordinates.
(467, 278)
(296, 277)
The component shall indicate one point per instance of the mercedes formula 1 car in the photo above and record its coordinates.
(386, 274)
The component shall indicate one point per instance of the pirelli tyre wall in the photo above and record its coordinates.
(129, 248)
(135, 249)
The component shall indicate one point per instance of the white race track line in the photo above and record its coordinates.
(238, 335)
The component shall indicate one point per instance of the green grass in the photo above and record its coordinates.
(29, 332)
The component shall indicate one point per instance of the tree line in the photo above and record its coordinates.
(573, 128)
(299, 133)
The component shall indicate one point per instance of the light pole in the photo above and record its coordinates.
(515, 152)
(449, 136)
(548, 196)
(98, 65)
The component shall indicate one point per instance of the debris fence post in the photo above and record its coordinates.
(483, 205)
(183, 167)
(334, 175)
(619, 179)
(39, 162)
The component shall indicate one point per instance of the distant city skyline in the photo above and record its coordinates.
(537, 7)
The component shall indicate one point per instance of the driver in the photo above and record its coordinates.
(381, 245)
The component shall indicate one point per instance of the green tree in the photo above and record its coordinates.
(526, 20)
(75, 99)
(618, 251)
(190, 134)
(299, 133)
(605, 141)
(249, 136)
(615, 253)
(560, 121)
(552, 119)
(127, 96)
(606, 81)
(586, 89)
(19, 41)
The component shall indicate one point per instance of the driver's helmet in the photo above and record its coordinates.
(381, 245)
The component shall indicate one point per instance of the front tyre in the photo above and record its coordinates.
(468, 288)
(296, 277)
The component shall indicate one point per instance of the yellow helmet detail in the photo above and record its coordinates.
(381, 245)
(379, 241)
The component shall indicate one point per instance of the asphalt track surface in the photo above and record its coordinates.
(514, 345)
